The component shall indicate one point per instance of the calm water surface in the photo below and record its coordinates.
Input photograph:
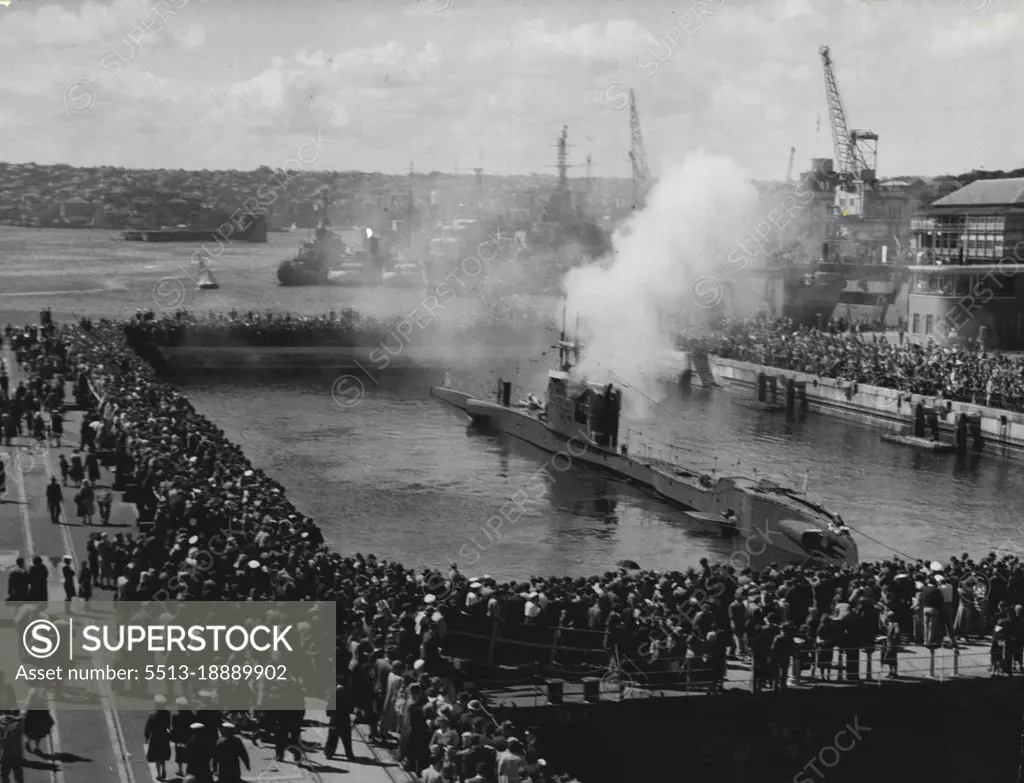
(400, 474)
(403, 476)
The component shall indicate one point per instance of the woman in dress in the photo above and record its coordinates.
(76, 470)
(39, 427)
(388, 715)
(85, 500)
(890, 646)
(158, 736)
(92, 467)
(181, 732)
(825, 643)
(402, 701)
(415, 742)
(85, 581)
(56, 427)
(38, 721)
(968, 617)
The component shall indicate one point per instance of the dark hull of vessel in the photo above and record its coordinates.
(253, 230)
(789, 524)
(290, 274)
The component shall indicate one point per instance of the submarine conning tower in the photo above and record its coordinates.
(603, 405)
(589, 409)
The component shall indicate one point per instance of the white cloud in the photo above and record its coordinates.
(977, 34)
(192, 37)
(794, 9)
(590, 41)
(91, 22)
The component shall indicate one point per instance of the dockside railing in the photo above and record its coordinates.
(625, 678)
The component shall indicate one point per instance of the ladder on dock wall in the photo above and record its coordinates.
(702, 369)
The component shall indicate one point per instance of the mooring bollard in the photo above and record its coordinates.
(919, 420)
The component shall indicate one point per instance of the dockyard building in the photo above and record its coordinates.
(969, 251)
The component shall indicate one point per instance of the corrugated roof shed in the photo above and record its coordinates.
(986, 192)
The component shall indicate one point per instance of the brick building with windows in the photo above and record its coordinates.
(969, 252)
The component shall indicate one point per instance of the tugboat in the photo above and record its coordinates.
(312, 266)
(581, 419)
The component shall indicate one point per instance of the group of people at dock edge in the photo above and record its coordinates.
(254, 329)
(504, 320)
(964, 374)
(224, 530)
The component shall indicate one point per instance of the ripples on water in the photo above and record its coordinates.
(403, 476)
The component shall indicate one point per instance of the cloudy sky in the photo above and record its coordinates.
(240, 83)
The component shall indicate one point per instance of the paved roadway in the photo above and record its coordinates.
(107, 744)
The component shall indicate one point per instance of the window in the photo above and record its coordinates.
(915, 329)
(963, 285)
(929, 321)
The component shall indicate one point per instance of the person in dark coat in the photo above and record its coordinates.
(67, 573)
(18, 582)
(38, 575)
(200, 754)
(38, 720)
(65, 469)
(339, 722)
(158, 736)
(181, 730)
(39, 427)
(56, 427)
(92, 467)
(415, 743)
(54, 500)
(85, 581)
(229, 755)
(77, 469)
(12, 756)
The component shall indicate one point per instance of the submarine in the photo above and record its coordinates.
(581, 419)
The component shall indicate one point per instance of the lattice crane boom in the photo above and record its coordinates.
(846, 160)
(637, 154)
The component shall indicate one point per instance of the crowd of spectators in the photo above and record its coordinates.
(396, 625)
(252, 329)
(499, 319)
(962, 374)
(196, 486)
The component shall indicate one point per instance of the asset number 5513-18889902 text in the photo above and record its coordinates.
(216, 672)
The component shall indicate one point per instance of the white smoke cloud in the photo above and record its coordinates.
(630, 306)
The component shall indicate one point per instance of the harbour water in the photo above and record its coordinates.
(390, 470)
(399, 474)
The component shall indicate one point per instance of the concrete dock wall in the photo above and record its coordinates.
(1003, 431)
